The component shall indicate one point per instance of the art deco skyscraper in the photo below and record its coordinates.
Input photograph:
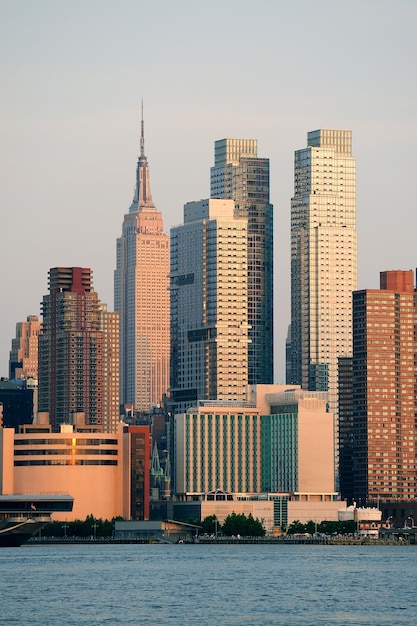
(323, 260)
(384, 390)
(71, 348)
(209, 313)
(238, 173)
(23, 362)
(141, 297)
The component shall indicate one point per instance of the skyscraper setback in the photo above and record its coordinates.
(141, 297)
(238, 173)
(323, 260)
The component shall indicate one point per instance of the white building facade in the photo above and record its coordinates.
(323, 260)
(209, 313)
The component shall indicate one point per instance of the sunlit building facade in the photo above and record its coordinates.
(297, 444)
(238, 173)
(107, 474)
(209, 314)
(217, 447)
(281, 442)
(384, 390)
(108, 323)
(23, 362)
(141, 297)
(323, 260)
(71, 348)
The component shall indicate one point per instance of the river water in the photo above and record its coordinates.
(182, 584)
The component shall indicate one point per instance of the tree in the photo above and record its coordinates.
(296, 528)
(254, 527)
(90, 527)
(238, 524)
(311, 527)
(209, 525)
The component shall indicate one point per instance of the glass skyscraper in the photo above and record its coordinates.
(323, 260)
(238, 173)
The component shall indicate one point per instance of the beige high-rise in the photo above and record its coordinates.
(108, 323)
(323, 260)
(23, 361)
(209, 305)
(141, 297)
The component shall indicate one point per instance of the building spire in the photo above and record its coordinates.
(142, 134)
(143, 197)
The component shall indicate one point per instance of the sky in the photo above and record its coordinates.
(73, 76)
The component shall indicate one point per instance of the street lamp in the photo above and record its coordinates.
(65, 526)
(94, 526)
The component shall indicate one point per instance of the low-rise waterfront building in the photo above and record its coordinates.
(106, 473)
(280, 441)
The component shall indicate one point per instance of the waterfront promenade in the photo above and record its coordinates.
(278, 541)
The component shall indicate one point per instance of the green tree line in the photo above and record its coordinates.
(234, 524)
(326, 527)
(90, 527)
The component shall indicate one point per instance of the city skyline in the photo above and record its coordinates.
(69, 129)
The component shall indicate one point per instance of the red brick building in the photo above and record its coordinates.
(71, 348)
(384, 390)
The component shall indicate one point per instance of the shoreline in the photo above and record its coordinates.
(219, 541)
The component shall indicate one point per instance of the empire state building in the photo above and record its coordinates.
(141, 297)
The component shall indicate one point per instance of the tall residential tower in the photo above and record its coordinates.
(209, 312)
(323, 260)
(238, 173)
(384, 386)
(141, 297)
(71, 349)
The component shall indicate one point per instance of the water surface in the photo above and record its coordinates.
(208, 585)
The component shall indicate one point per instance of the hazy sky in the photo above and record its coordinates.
(72, 78)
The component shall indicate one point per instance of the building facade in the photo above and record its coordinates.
(71, 348)
(346, 428)
(281, 442)
(141, 297)
(323, 260)
(107, 474)
(297, 444)
(88, 466)
(384, 390)
(17, 403)
(209, 314)
(239, 174)
(137, 470)
(23, 361)
(108, 323)
(217, 447)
